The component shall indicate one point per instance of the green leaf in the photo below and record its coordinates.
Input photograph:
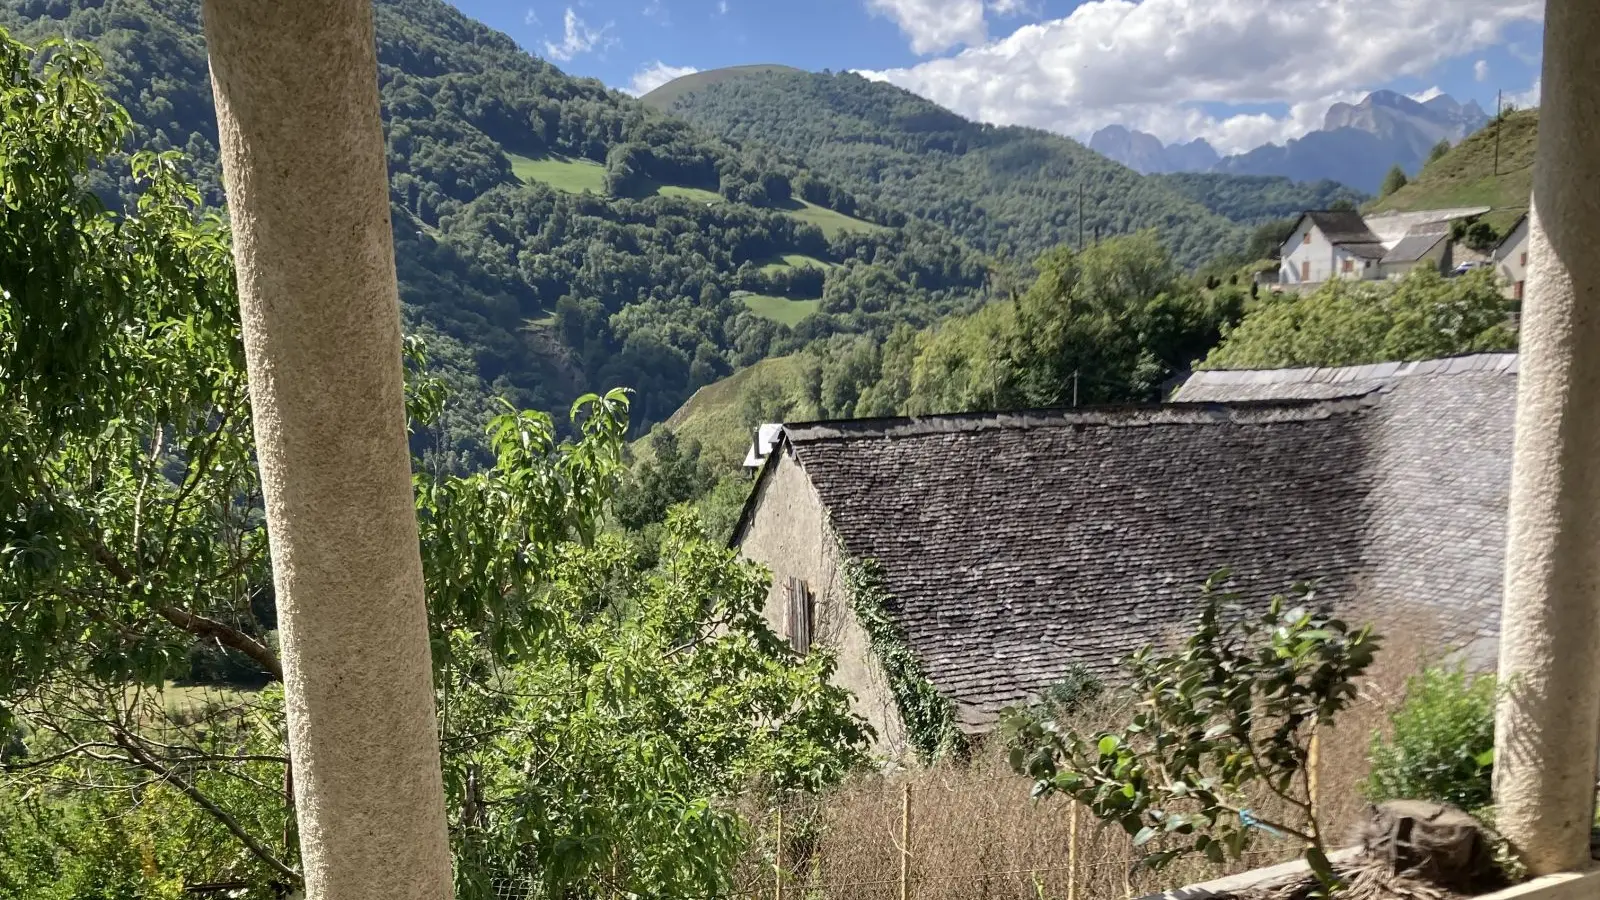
(1145, 836)
(1109, 744)
(1320, 867)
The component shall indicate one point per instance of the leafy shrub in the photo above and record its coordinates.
(1442, 746)
(1231, 713)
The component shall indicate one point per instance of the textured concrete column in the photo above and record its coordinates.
(1548, 723)
(303, 159)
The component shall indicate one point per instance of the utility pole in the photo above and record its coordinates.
(1499, 112)
(905, 841)
(1074, 388)
(1080, 216)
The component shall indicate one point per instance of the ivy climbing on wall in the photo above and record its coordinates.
(929, 718)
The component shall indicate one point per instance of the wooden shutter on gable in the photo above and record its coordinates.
(799, 611)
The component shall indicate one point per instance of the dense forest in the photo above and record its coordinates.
(1009, 191)
(1258, 199)
(528, 287)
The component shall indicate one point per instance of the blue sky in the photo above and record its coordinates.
(1237, 72)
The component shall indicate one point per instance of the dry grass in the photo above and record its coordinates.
(976, 833)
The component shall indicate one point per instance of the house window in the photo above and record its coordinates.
(1524, 259)
(1307, 239)
(1349, 265)
(799, 612)
(1305, 271)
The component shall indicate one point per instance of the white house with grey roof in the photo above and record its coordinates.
(1343, 244)
(1011, 548)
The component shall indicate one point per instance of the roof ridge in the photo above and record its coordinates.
(1464, 364)
(1198, 413)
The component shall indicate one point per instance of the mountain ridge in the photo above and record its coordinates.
(1146, 154)
(1357, 144)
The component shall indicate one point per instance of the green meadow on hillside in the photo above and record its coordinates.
(832, 223)
(795, 261)
(1467, 175)
(783, 310)
(715, 415)
(699, 195)
(578, 175)
(562, 173)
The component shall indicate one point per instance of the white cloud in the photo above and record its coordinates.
(1480, 70)
(657, 10)
(1152, 65)
(935, 25)
(530, 18)
(1525, 99)
(1013, 7)
(1429, 94)
(655, 75)
(722, 7)
(578, 38)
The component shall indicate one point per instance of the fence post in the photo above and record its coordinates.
(905, 841)
(777, 860)
(1127, 873)
(1313, 780)
(1072, 851)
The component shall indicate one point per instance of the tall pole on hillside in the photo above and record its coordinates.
(1499, 112)
(1080, 216)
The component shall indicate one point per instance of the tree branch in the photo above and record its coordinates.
(197, 625)
(257, 848)
(53, 758)
(226, 635)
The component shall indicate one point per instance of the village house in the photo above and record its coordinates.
(1511, 260)
(1343, 244)
(1013, 548)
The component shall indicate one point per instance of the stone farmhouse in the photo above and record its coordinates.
(1343, 244)
(1012, 547)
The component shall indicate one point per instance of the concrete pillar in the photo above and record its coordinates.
(303, 162)
(1548, 722)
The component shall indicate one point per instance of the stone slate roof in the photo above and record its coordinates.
(1323, 383)
(1343, 226)
(1417, 242)
(1017, 545)
(1439, 454)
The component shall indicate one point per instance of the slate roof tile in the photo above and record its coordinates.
(1015, 545)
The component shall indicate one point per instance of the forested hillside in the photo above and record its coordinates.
(1258, 199)
(554, 236)
(1009, 191)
